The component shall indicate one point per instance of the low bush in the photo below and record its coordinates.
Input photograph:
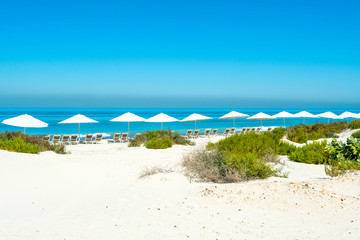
(356, 135)
(343, 157)
(20, 142)
(159, 138)
(18, 145)
(238, 157)
(355, 124)
(159, 143)
(210, 166)
(303, 133)
(313, 153)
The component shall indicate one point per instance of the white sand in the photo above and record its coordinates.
(95, 193)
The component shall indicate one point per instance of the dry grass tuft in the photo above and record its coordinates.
(148, 171)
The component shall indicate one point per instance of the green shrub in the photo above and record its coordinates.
(210, 166)
(313, 153)
(355, 124)
(303, 133)
(356, 135)
(159, 143)
(239, 157)
(146, 137)
(18, 145)
(20, 142)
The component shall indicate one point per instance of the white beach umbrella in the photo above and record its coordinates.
(261, 116)
(162, 117)
(79, 118)
(128, 117)
(348, 115)
(233, 115)
(195, 117)
(305, 114)
(329, 115)
(284, 115)
(25, 121)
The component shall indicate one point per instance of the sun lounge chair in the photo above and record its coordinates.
(116, 138)
(188, 133)
(226, 132)
(124, 137)
(207, 132)
(73, 139)
(88, 139)
(214, 132)
(232, 131)
(46, 138)
(243, 130)
(98, 138)
(252, 130)
(65, 139)
(56, 139)
(258, 130)
(196, 133)
(270, 129)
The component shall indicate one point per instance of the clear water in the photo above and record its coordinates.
(54, 115)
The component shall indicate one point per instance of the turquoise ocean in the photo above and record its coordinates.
(54, 115)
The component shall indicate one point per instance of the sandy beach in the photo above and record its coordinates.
(96, 193)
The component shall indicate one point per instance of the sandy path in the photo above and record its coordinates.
(95, 193)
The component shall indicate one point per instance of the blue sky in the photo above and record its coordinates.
(180, 54)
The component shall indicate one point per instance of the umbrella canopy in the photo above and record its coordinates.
(260, 116)
(348, 115)
(284, 115)
(128, 117)
(329, 115)
(195, 117)
(305, 114)
(162, 117)
(25, 121)
(79, 118)
(233, 115)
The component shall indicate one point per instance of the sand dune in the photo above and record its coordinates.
(96, 193)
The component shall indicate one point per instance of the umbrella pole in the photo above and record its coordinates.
(304, 121)
(234, 122)
(129, 129)
(79, 131)
(24, 129)
(161, 126)
(195, 125)
(261, 122)
(284, 122)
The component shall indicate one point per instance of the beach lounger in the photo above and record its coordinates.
(232, 131)
(46, 138)
(56, 139)
(214, 132)
(124, 137)
(188, 133)
(270, 129)
(226, 132)
(116, 138)
(196, 133)
(252, 130)
(98, 138)
(65, 139)
(73, 139)
(88, 139)
(207, 132)
(243, 130)
(257, 130)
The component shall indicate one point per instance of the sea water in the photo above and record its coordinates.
(53, 116)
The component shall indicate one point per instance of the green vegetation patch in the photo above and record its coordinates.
(356, 135)
(238, 157)
(303, 133)
(159, 139)
(355, 124)
(19, 142)
(313, 153)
